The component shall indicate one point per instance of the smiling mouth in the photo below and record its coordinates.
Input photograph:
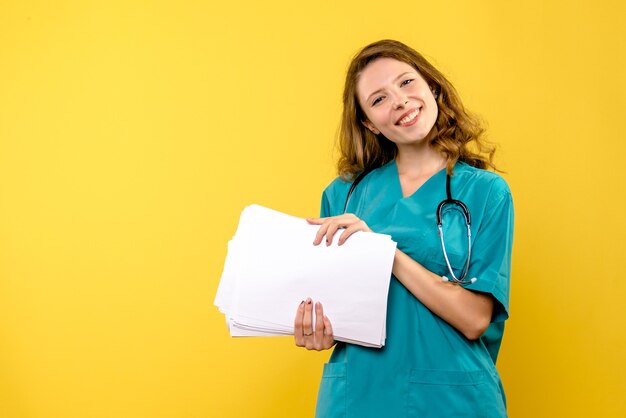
(408, 119)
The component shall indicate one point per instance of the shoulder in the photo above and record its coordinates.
(487, 183)
(336, 192)
(337, 187)
(334, 196)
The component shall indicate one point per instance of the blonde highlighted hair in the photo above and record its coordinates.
(457, 134)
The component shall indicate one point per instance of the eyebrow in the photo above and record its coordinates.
(379, 90)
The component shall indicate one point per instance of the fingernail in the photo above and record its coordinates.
(302, 303)
(308, 301)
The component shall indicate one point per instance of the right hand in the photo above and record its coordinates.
(330, 225)
(320, 338)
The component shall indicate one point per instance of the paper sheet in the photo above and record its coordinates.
(272, 265)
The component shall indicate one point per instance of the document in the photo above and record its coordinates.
(272, 265)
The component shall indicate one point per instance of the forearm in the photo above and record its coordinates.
(467, 311)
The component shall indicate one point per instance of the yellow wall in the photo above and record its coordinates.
(134, 132)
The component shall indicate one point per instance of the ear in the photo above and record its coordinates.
(435, 91)
(369, 125)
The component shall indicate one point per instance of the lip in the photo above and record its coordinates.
(407, 113)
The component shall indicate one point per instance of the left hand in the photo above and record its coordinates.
(330, 225)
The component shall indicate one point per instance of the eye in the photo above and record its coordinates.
(377, 100)
(407, 81)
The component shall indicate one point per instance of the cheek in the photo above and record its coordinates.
(436, 111)
(434, 106)
(381, 118)
(377, 117)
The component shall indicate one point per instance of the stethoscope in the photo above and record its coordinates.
(449, 202)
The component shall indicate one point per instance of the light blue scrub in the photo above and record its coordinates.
(427, 368)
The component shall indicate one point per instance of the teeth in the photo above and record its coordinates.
(410, 117)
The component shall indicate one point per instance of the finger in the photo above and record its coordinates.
(341, 221)
(358, 226)
(297, 326)
(321, 232)
(329, 337)
(307, 324)
(318, 337)
(330, 232)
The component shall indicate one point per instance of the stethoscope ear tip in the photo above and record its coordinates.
(444, 279)
(473, 279)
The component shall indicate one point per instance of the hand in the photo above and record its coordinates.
(319, 339)
(330, 225)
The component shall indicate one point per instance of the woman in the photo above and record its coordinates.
(405, 122)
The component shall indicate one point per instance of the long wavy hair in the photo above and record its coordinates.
(458, 135)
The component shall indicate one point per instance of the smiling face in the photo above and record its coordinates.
(397, 101)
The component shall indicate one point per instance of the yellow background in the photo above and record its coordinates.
(134, 132)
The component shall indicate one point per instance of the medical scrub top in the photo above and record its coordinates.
(426, 368)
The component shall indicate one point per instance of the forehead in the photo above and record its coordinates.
(379, 73)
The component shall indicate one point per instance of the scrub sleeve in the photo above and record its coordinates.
(427, 368)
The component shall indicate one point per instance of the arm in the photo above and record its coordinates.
(469, 312)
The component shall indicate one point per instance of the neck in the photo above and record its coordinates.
(416, 162)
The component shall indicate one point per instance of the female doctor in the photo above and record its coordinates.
(404, 125)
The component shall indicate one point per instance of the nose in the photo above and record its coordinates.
(400, 101)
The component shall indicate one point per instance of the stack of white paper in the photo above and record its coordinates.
(272, 265)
